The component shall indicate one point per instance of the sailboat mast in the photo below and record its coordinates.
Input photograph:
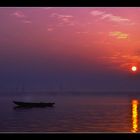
(23, 88)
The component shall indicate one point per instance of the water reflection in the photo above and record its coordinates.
(134, 116)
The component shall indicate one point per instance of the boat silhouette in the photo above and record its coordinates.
(33, 104)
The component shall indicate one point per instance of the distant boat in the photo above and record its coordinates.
(33, 104)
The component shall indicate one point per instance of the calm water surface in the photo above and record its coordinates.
(71, 114)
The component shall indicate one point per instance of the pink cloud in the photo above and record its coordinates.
(64, 19)
(27, 21)
(97, 12)
(22, 16)
(50, 29)
(110, 17)
(19, 14)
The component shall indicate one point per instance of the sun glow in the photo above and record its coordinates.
(134, 68)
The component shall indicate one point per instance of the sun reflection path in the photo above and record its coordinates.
(134, 116)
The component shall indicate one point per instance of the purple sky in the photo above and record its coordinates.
(72, 48)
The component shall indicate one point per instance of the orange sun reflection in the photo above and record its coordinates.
(134, 116)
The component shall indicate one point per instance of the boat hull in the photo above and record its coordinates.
(28, 104)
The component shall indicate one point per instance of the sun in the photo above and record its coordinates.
(134, 68)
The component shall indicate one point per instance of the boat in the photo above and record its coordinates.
(33, 104)
(21, 104)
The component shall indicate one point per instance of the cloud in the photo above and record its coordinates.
(125, 61)
(118, 35)
(50, 29)
(27, 21)
(97, 13)
(60, 15)
(47, 8)
(110, 17)
(22, 17)
(65, 16)
(82, 32)
(19, 14)
(114, 18)
(64, 19)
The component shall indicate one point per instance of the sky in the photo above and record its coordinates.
(70, 48)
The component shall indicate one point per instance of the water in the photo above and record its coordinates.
(81, 113)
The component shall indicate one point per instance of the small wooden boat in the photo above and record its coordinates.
(33, 104)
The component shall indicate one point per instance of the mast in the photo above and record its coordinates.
(23, 88)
